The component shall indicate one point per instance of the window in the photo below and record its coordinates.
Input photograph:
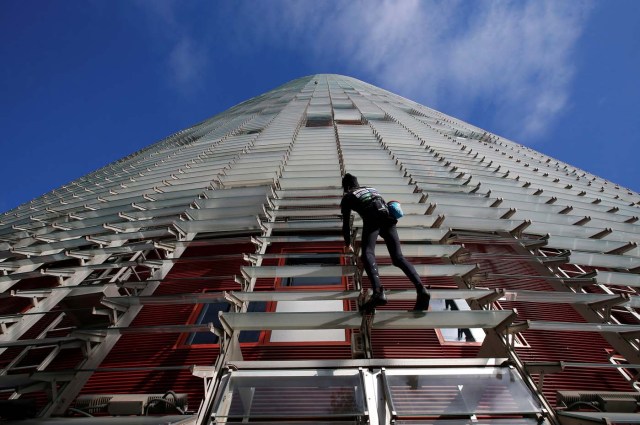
(415, 393)
(312, 259)
(208, 313)
(297, 283)
(393, 395)
(319, 122)
(462, 335)
(316, 396)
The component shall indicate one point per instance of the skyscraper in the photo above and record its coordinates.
(203, 279)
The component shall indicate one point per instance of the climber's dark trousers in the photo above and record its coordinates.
(370, 234)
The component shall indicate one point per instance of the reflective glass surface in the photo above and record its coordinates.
(461, 392)
(320, 394)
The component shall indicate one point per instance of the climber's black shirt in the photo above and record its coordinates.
(367, 202)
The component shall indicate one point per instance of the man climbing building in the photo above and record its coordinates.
(370, 205)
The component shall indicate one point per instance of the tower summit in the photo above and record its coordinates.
(203, 279)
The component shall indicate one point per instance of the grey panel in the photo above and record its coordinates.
(351, 320)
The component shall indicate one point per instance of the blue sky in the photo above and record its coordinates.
(84, 83)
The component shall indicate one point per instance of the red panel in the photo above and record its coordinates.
(551, 346)
(160, 350)
(224, 261)
(297, 351)
(15, 305)
(543, 346)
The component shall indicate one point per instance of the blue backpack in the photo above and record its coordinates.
(395, 209)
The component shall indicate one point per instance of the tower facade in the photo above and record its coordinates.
(203, 279)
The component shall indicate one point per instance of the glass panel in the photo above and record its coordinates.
(561, 219)
(441, 181)
(299, 271)
(419, 250)
(407, 234)
(363, 159)
(46, 248)
(315, 101)
(431, 270)
(252, 167)
(388, 190)
(253, 336)
(323, 212)
(614, 278)
(432, 172)
(631, 229)
(40, 341)
(604, 260)
(440, 319)
(368, 169)
(307, 202)
(459, 392)
(539, 228)
(310, 167)
(243, 176)
(292, 321)
(446, 188)
(300, 239)
(208, 314)
(621, 236)
(533, 206)
(222, 225)
(224, 212)
(239, 201)
(307, 335)
(147, 234)
(382, 320)
(524, 197)
(318, 112)
(324, 394)
(312, 281)
(150, 205)
(581, 327)
(307, 257)
(144, 215)
(299, 295)
(71, 234)
(462, 199)
(301, 183)
(327, 174)
(594, 245)
(475, 421)
(341, 104)
(436, 294)
(483, 224)
(346, 115)
(305, 225)
(300, 155)
(412, 221)
(470, 211)
(260, 158)
(326, 191)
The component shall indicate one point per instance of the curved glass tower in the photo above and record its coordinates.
(203, 279)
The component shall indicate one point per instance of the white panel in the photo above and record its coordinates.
(308, 335)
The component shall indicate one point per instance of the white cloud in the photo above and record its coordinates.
(515, 57)
(187, 62)
(512, 60)
(185, 56)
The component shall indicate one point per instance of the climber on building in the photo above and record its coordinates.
(368, 203)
